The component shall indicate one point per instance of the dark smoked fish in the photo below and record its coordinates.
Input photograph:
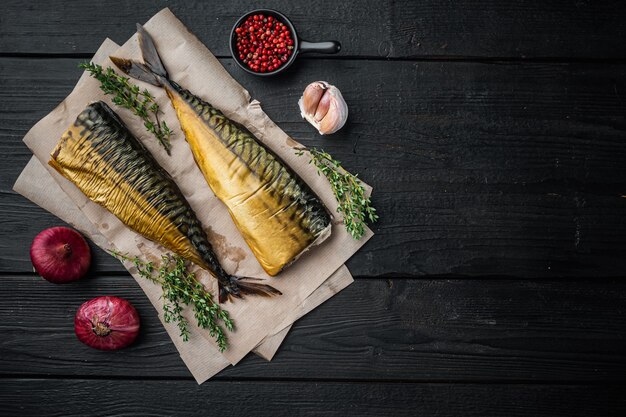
(112, 168)
(278, 215)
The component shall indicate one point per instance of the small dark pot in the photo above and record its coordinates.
(300, 46)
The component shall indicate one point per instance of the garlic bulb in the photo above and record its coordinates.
(323, 106)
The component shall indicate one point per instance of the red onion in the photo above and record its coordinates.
(107, 323)
(60, 254)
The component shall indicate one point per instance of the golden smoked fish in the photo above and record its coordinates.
(112, 168)
(278, 215)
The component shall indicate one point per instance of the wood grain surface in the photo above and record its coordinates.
(404, 29)
(478, 169)
(389, 329)
(493, 135)
(260, 398)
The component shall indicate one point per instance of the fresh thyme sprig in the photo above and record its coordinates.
(180, 287)
(348, 190)
(130, 96)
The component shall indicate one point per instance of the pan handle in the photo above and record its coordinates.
(328, 47)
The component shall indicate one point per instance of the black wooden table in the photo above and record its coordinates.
(494, 136)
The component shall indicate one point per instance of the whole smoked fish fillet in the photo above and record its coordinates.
(112, 168)
(277, 213)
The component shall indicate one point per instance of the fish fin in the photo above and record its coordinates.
(151, 70)
(240, 286)
(149, 52)
(137, 70)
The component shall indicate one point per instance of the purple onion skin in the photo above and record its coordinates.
(107, 323)
(60, 255)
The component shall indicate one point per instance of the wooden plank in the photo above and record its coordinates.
(392, 330)
(393, 29)
(27, 397)
(478, 169)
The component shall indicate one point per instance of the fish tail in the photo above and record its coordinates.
(237, 287)
(151, 70)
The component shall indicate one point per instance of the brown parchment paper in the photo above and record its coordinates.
(194, 67)
(36, 184)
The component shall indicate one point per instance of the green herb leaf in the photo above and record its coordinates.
(180, 287)
(129, 96)
(348, 190)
